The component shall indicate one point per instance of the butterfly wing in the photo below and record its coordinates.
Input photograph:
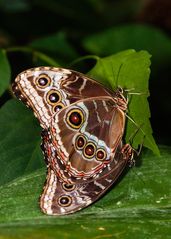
(86, 135)
(46, 90)
(83, 150)
(51, 157)
(59, 198)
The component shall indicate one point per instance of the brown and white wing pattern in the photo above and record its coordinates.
(39, 89)
(53, 161)
(83, 125)
(59, 198)
(46, 90)
(86, 135)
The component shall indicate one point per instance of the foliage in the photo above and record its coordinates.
(137, 206)
(19, 143)
(142, 37)
(130, 70)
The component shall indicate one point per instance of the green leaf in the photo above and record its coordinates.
(5, 72)
(138, 206)
(132, 36)
(19, 142)
(130, 70)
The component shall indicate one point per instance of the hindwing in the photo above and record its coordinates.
(59, 198)
(86, 135)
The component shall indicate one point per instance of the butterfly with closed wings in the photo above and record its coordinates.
(83, 125)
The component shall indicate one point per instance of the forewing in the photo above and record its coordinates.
(78, 86)
(47, 90)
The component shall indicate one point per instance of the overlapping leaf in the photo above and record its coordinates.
(130, 70)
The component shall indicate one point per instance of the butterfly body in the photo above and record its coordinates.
(83, 124)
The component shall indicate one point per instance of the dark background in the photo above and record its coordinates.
(24, 21)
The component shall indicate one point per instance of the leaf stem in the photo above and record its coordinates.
(38, 54)
(84, 58)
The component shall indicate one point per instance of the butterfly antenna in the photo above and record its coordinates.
(138, 93)
(117, 76)
(129, 92)
(135, 93)
(139, 127)
(130, 140)
(136, 154)
(134, 134)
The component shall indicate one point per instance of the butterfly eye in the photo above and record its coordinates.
(53, 97)
(75, 118)
(89, 150)
(101, 154)
(58, 107)
(65, 201)
(80, 142)
(68, 187)
(43, 81)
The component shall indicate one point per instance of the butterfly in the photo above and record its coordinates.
(83, 124)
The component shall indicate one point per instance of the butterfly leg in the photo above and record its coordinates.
(127, 153)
